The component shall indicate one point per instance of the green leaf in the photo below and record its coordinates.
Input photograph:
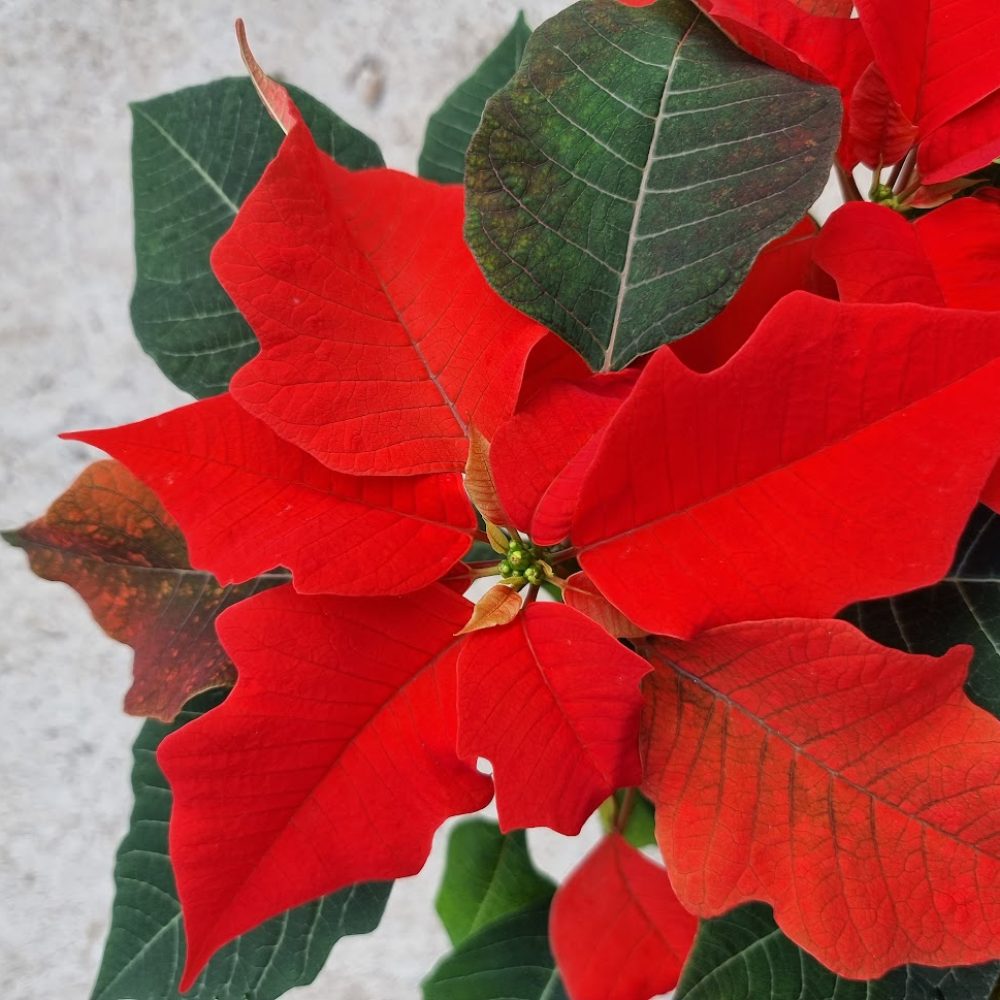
(508, 960)
(487, 876)
(640, 829)
(196, 154)
(743, 956)
(144, 953)
(963, 608)
(451, 127)
(621, 185)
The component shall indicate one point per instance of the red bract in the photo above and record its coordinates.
(799, 763)
(949, 257)
(785, 265)
(534, 455)
(880, 131)
(381, 340)
(814, 41)
(805, 474)
(553, 701)
(941, 62)
(248, 501)
(332, 762)
(618, 930)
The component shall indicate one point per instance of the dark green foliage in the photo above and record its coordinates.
(487, 876)
(451, 127)
(508, 960)
(144, 953)
(196, 154)
(621, 185)
(743, 956)
(963, 608)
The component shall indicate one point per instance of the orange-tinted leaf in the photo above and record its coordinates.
(808, 472)
(618, 930)
(479, 479)
(553, 701)
(380, 339)
(785, 265)
(332, 762)
(248, 500)
(275, 98)
(110, 539)
(498, 606)
(580, 593)
(854, 788)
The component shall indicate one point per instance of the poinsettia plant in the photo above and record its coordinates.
(584, 472)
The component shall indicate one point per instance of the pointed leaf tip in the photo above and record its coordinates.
(498, 606)
(276, 99)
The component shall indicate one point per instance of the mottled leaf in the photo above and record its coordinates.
(488, 875)
(144, 952)
(451, 127)
(744, 956)
(621, 185)
(196, 154)
(110, 539)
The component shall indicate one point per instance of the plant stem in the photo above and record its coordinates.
(901, 179)
(476, 573)
(624, 811)
(848, 185)
(562, 556)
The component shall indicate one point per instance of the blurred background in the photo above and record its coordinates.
(69, 361)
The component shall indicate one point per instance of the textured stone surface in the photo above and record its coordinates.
(69, 361)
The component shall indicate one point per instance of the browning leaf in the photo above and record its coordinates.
(110, 539)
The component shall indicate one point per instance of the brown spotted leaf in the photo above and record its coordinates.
(109, 538)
